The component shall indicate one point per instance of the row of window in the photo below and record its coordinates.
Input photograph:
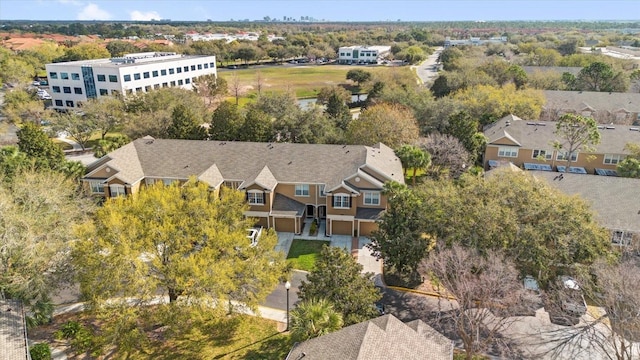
(67, 90)
(97, 187)
(103, 78)
(67, 103)
(164, 72)
(256, 197)
(64, 76)
(507, 151)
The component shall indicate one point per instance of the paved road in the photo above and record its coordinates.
(426, 70)
(278, 298)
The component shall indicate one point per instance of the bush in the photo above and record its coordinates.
(70, 329)
(40, 351)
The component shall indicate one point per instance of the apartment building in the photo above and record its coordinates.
(74, 82)
(285, 184)
(361, 54)
(529, 145)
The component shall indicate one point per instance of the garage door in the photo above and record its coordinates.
(366, 228)
(261, 222)
(341, 227)
(285, 225)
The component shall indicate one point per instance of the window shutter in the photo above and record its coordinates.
(263, 198)
(349, 201)
(246, 196)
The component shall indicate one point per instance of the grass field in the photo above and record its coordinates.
(303, 253)
(304, 81)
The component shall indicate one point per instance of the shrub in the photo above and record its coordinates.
(70, 329)
(40, 351)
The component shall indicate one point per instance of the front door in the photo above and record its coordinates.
(322, 212)
(310, 211)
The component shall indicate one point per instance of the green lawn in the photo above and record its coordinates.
(303, 253)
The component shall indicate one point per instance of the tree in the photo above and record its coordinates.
(335, 100)
(465, 129)
(390, 124)
(85, 51)
(257, 126)
(40, 209)
(482, 287)
(119, 48)
(577, 133)
(400, 238)
(185, 125)
(313, 318)
(448, 155)
(37, 146)
(413, 55)
(110, 144)
(414, 158)
(12, 161)
(630, 166)
(211, 88)
(226, 122)
(614, 287)
(599, 76)
(105, 113)
(359, 76)
(182, 240)
(76, 126)
(338, 278)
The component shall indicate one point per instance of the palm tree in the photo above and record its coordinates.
(313, 318)
(418, 159)
(404, 154)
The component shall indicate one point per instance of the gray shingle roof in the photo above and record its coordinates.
(368, 214)
(283, 205)
(556, 69)
(598, 101)
(247, 161)
(531, 136)
(615, 200)
(13, 344)
(382, 338)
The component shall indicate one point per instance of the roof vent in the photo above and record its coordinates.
(634, 129)
(531, 123)
(610, 127)
(600, 127)
(541, 124)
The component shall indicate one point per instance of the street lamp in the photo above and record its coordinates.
(287, 286)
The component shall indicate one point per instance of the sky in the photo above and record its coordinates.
(330, 10)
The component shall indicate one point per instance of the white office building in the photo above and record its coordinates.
(73, 82)
(361, 54)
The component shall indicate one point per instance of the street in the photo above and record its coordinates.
(426, 70)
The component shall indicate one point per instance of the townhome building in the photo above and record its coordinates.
(285, 184)
(74, 82)
(530, 145)
(604, 107)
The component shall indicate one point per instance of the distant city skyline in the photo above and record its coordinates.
(327, 10)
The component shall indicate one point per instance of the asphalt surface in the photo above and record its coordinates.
(427, 69)
(278, 298)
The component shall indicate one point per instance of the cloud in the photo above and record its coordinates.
(72, 2)
(93, 12)
(144, 16)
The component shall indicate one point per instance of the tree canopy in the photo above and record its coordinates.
(392, 125)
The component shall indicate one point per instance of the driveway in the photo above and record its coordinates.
(426, 71)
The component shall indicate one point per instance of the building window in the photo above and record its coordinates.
(321, 190)
(165, 85)
(193, 68)
(77, 90)
(75, 76)
(621, 238)
(199, 66)
(136, 76)
(563, 156)
(113, 78)
(156, 86)
(212, 65)
(206, 66)
(102, 78)
(163, 72)
(173, 83)
(179, 70)
(187, 81)
(186, 68)
(171, 71)
(302, 190)
(371, 198)
(542, 154)
(69, 103)
(180, 82)
(127, 77)
(138, 89)
(104, 92)
(613, 159)
(66, 89)
(341, 201)
(255, 197)
(58, 102)
(117, 190)
(145, 74)
(507, 151)
(97, 186)
(147, 88)
(53, 75)
(55, 89)
(155, 73)
(64, 76)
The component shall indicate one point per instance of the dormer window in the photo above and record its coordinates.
(255, 197)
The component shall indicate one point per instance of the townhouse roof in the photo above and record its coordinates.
(283, 205)
(264, 164)
(511, 130)
(382, 338)
(574, 70)
(13, 341)
(615, 200)
(592, 100)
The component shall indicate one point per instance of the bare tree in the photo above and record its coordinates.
(486, 291)
(259, 82)
(235, 86)
(448, 155)
(613, 327)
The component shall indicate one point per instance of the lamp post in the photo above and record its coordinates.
(287, 286)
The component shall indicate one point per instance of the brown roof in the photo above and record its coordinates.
(540, 135)
(596, 101)
(262, 163)
(615, 200)
(382, 338)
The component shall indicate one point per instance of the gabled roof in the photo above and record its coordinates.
(382, 338)
(263, 163)
(599, 101)
(540, 135)
(615, 200)
(212, 176)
